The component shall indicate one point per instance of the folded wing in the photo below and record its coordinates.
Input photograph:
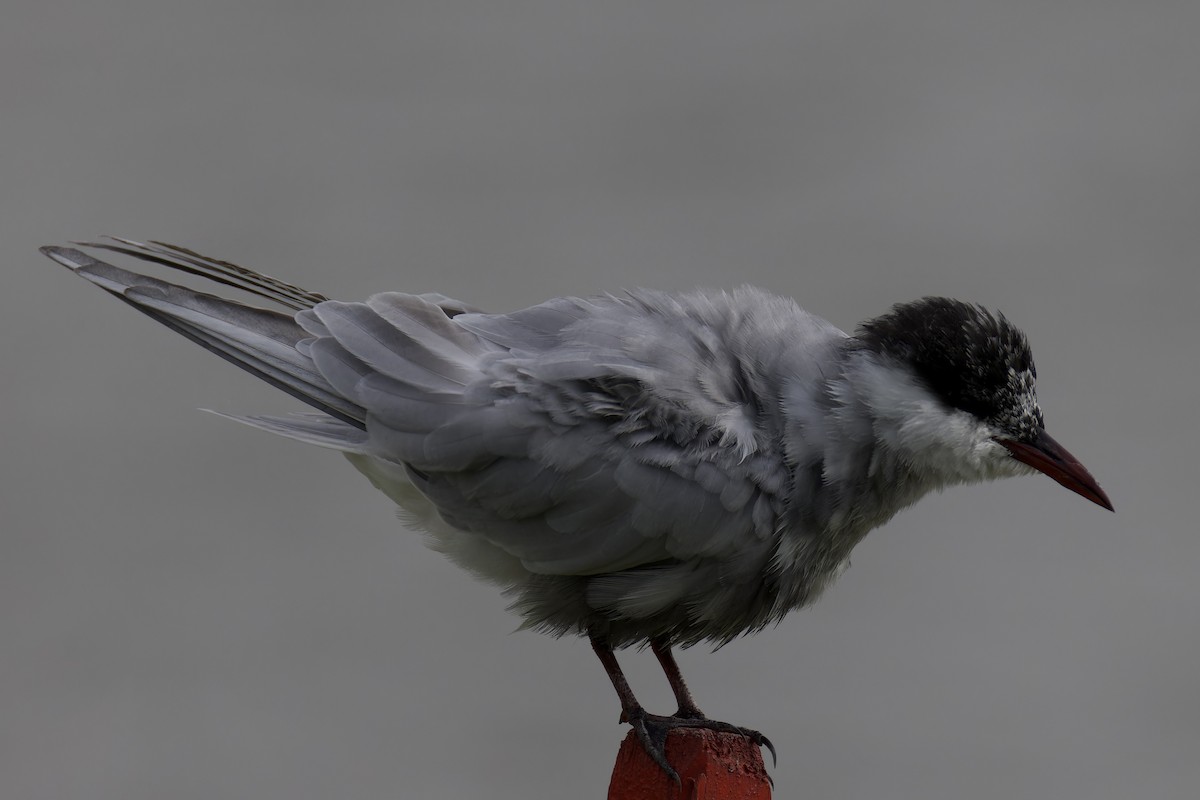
(582, 437)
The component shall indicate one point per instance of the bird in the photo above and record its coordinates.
(648, 468)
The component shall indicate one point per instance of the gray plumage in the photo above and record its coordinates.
(678, 467)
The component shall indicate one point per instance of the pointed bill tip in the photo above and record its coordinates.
(1050, 458)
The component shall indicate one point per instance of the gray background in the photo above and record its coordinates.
(189, 609)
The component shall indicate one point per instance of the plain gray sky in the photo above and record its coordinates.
(190, 609)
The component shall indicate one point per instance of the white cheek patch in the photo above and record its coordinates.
(945, 443)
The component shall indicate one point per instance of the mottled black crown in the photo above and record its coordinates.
(971, 359)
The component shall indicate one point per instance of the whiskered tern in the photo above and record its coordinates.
(648, 468)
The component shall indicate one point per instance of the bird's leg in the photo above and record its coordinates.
(629, 704)
(650, 731)
(689, 715)
(687, 706)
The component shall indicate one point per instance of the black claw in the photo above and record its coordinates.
(765, 742)
(651, 731)
(653, 736)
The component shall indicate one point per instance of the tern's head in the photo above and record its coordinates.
(969, 405)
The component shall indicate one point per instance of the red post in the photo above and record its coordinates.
(711, 766)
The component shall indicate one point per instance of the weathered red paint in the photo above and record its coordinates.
(711, 766)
